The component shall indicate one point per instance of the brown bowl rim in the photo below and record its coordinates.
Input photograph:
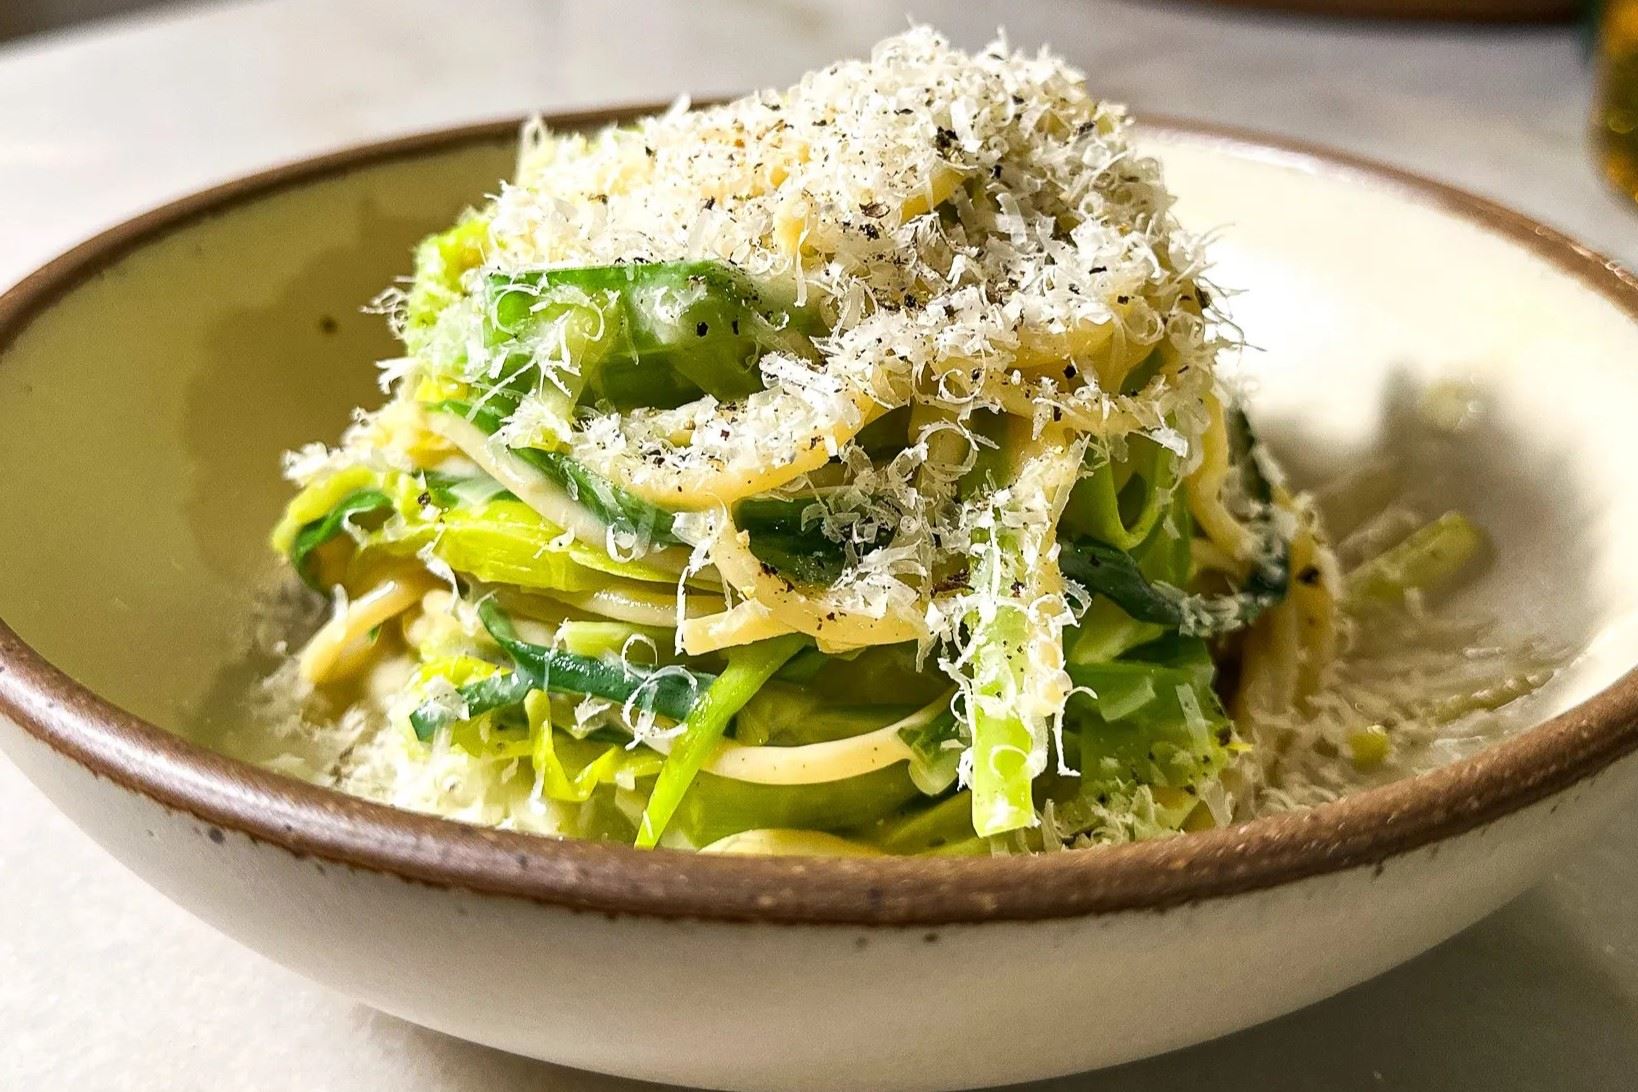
(1364, 829)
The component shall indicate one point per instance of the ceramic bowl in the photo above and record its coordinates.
(150, 378)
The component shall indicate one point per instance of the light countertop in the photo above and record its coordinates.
(106, 985)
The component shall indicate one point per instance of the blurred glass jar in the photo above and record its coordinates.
(1616, 123)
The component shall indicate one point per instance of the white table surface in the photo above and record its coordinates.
(105, 985)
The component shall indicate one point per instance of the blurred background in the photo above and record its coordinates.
(137, 101)
(27, 16)
(110, 107)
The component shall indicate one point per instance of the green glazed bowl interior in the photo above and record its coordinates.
(144, 416)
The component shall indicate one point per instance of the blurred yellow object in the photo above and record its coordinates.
(1616, 128)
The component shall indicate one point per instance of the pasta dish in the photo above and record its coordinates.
(849, 470)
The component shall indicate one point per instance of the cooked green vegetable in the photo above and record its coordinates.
(469, 524)
(614, 506)
(716, 807)
(649, 334)
(1003, 738)
(788, 716)
(947, 823)
(492, 692)
(748, 669)
(784, 534)
(1122, 516)
(1149, 723)
(593, 764)
(670, 692)
(1129, 573)
(1431, 556)
(1106, 630)
(358, 503)
(441, 263)
(935, 746)
(1114, 573)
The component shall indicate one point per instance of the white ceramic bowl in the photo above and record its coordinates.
(149, 379)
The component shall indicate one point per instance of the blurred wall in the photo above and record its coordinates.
(18, 17)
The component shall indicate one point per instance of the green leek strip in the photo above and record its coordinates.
(667, 331)
(715, 807)
(1104, 513)
(498, 691)
(440, 262)
(1115, 574)
(670, 692)
(1432, 555)
(313, 535)
(1123, 689)
(1014, 685)
(935, 745)
(1003, 744)
(505, 542)
(748, 669)
(612, 505)
(606, 638)
(556, 780)
(781, 536)
(945, 823)
(1106, 631)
